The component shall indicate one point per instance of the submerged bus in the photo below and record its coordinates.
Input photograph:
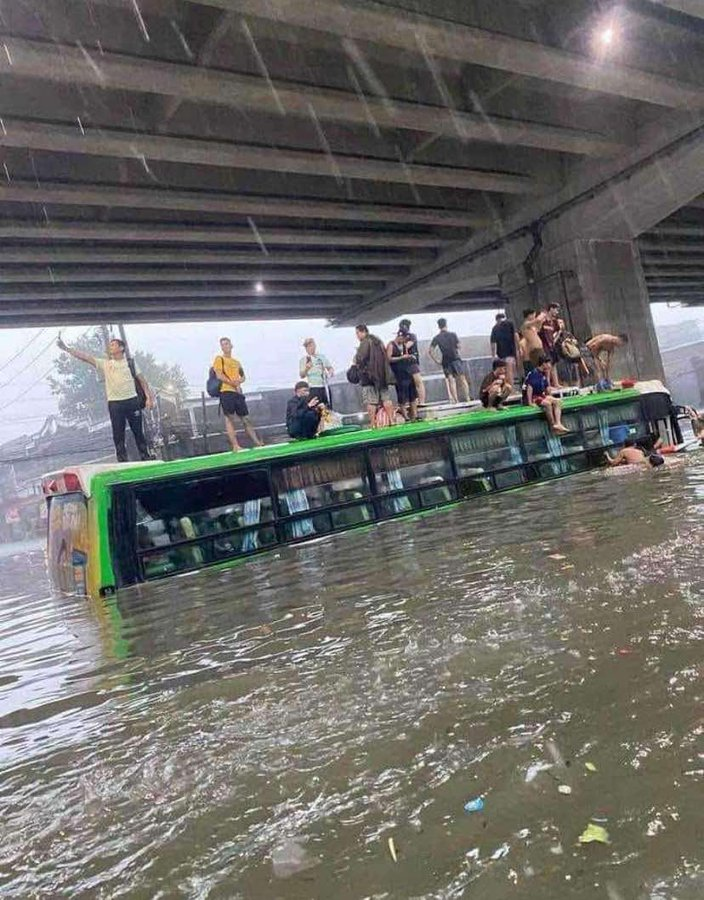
(113, 526)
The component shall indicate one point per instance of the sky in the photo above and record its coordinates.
(269, 352)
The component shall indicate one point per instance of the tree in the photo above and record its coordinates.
(81, 393)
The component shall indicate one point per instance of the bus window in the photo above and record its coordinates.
(222, 516)
(68, 542)
(486, 449)
(318, 484)
(420, 468)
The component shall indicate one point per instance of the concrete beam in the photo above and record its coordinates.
(693, 8)
(649, 247)
(127, 274)
(627, 198)
(187, 151)
(70, 65)
(49, 193)
(138, 293)
(60, 256)
(435, 37)
(659, 272)
(667, 230)
(161, 313)
(174, 234)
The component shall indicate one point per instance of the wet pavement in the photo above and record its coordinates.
(264, 732)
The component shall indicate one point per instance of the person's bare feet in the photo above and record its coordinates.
(560, 429)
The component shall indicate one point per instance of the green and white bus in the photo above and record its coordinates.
(113, 526)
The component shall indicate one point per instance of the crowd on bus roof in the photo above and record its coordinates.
(528, 363)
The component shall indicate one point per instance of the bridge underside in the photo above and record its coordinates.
(169, 160)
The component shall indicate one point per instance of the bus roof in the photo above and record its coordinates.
(122, 473)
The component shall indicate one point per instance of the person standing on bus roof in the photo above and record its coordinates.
(602, 347)
(375, 376)
(404, 326)
(124, 405)
(504, 345)
(315, 368)
(452, 364)
(231, 375)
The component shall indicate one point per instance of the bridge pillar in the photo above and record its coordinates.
(601, 287)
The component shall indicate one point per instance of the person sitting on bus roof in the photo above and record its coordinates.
(303, 412)
(536, 392)
(495, 387)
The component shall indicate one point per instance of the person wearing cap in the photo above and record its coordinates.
(504, 345)
(315, 368)
(303, 412)
(404, 327)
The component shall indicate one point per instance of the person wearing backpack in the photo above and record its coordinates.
(229, 372)
(127, 394)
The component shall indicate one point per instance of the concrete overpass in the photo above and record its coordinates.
(169, 160)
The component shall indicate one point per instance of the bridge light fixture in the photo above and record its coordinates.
(606, 36)
(259, 287)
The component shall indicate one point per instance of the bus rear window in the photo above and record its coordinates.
(68, 542)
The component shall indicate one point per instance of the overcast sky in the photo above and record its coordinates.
(269, 352)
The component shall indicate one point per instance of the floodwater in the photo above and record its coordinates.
(263, 732)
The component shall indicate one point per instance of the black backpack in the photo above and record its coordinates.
(213, 385)
(141, 393)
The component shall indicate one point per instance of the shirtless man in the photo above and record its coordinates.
(530, 343)
(602, 347)
(629, 455)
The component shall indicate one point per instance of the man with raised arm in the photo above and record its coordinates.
(124, 405)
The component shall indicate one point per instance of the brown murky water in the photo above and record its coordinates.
(264, 732)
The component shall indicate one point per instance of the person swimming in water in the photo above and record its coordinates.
(632, 455)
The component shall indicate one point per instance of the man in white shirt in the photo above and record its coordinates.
(124, 404)
(315, 368)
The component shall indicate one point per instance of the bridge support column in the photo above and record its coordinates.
(601, 288)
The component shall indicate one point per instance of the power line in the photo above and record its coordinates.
(22, 349)
(29, 364)
(41, 377)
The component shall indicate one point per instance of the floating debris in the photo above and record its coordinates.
(392, 850)
(556, 556)
(564, 789)
(534, 769)
(594, 834)
(476, 805)
(290, 857)
(590, 767)
(500, 852)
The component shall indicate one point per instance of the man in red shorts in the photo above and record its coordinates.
(536, 392)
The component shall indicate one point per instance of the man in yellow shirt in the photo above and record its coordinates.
(232, 401)
(121, 391)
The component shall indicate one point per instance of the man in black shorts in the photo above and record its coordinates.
(448, 344)
(404, 326)
(232, 401)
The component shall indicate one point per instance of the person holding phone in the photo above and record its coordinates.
(121, 378)
(315, 368)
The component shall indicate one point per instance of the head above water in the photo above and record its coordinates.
(116, 349)
(442, 324)
(301, 389)
(226, 345)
